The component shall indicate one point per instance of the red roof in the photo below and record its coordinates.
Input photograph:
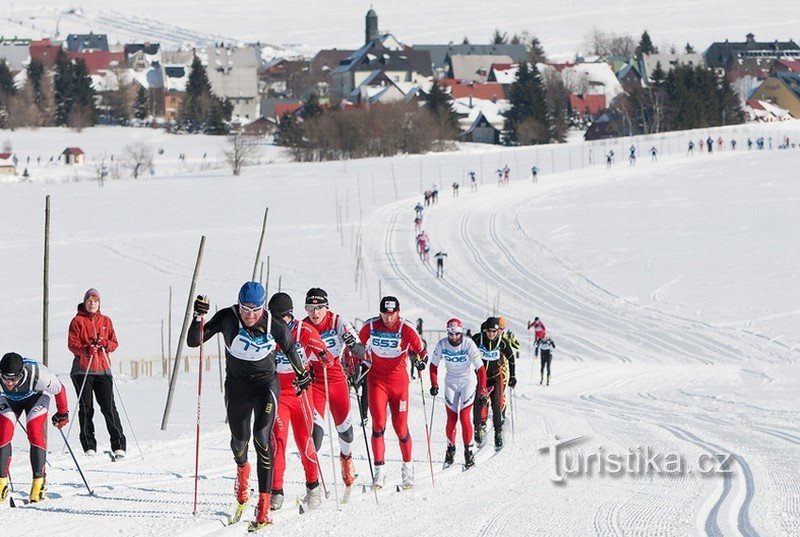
(73, 151)
(788, 65)
(44, 50)
(488, 91)
(97, 60)
(502, 66)
(561, 66)
(5, 156)
(281, 109)
(594, 103)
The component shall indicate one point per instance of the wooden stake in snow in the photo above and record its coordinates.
(45, 281)
(260, 243)
(186, 318)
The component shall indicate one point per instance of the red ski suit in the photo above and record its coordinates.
(387, 381)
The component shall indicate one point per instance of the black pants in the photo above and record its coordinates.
(439, 268)
(480, 413)
(98, 387)
(546, 359)
(243, 398)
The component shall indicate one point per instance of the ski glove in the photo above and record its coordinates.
(325, 358)
(419, 363)
(302, 382)
(483, 396)
(434, 390)
(100, 342)
(512, 382)
(59, 420)
(354, 345)
(201, 306)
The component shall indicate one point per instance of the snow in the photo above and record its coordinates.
(669, 288)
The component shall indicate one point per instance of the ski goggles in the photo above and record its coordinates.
(11, 376)
(315, 307)
(250, 309)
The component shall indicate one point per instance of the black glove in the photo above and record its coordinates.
(419, 363)
(59, 420)
(434, 390)
(302, 382)
(201, 306)
(354, 345)
(512, 382)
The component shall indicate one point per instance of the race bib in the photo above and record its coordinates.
(491, 356)
(252, 348)
(386, 344)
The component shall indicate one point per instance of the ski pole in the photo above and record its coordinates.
(330, 434)
(511, 405)
(78, 466)
(125, 411)
(80, 394)
(309, 424)
(427, 430)
(433, 404)
(366, 442)
(197, 428)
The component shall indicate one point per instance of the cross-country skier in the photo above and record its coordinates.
(28, 386)
(539, 331)
(465, 372)
(418, 209)
(423, 247)
(534, 174)
(251, 385)
(389, 340)
(546, 346)
(439, 257)
(341, 340)
(496, 354)
(295, 409)
(473, 184)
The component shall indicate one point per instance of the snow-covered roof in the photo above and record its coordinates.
(593, 79)
(492, 110)
(504, 73)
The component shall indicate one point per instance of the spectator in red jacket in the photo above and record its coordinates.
(91, 338)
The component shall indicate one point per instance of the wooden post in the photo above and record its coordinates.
(163, 356)
(186, 319)
(261, 273)
(46, 282)
(280, 281)
(260, 243)
(380, 290)
(266, 286)
(169, 332)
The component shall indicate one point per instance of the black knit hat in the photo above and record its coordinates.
(389, 304)
(492, 323)
(11, 365)
(316, 297)
(280, 304)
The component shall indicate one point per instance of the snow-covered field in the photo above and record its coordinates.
(669, 288)
(562, 27)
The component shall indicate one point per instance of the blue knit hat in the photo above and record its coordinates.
(252, 293)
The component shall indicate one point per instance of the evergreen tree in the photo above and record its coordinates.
(290, 133)
(141, 106)
(515, 40)
(83, 95)
(465, 41)
(312, 108)
(63, 87)
(35, 70)
(217, 121)
(730, 110)
(536, 51)
(499, 38)
(528, 120)
(440, 105)
(689, 49)
(6, 80)
(198, 100)
(645, 45)
(658, 76)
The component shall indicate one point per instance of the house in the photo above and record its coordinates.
(100, 60)
(45, 50)
(765, 111)
(385, 54)
(781, 89)
(441, 54)
(73, 155)
(467, 109)
(282, 77)
(283, 108)
(609, 124)
(737, 59)
(173, 100)
(142, 56)
(326, 61)
(591, 78)
(260, 127)
(503, 73)
(474, 67)
(482, 131)
(629, 78)
(90, 41)
(646, 63)
(233, 74)
(7, 166)
(15, 52)
(459, 89)
(786, 65)
(586, 105)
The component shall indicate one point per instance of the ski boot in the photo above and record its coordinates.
(469, 457)
(241, 486)
(449, 456)
(348, 470)
(37, 490)
(407, 472)
(480, 434)
(276, 500)
(4, 489)
(541, 379)
(262, 513)
(498, 440)
(379, 478)
(313, 498)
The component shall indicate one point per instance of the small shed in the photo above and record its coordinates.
(7, 166)
(73, 155)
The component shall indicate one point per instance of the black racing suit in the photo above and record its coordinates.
(498, 359)
(545, 346)
(251, 385)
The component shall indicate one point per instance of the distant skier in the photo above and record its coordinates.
(419, 209)
(496, 354)
(691, 148)
(653, 154)
(417, 224)
(435, 194)
(473, 182)
(545, 346)
(465, 372)
(439, 257)
(27, 387)
(506, 174)
(710, 145)
(539, 331)
(534, 174)
(455, 189)
(632, 156)
(389, 341)
(423, 247)
(251, 337)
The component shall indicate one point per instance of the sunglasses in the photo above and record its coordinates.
(15, 376)
(248, 309)
(491, 331)
(315, 307)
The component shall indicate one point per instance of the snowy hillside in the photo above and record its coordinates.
(561, 28)
(669, 288)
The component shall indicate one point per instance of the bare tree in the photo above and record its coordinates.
(242, 151)
(101, 169)
(600, 43)
(137, 157)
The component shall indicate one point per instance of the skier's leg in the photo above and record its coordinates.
(265, 400)
(238, 408)
(36, 425)
(280, 434)
(398, 406)
(8, 418)
(498, 398)
(450, 426)
(302, 438)
(318, 400)
(104, 392)
(340, 409)
(378, 402)
(466, 425)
